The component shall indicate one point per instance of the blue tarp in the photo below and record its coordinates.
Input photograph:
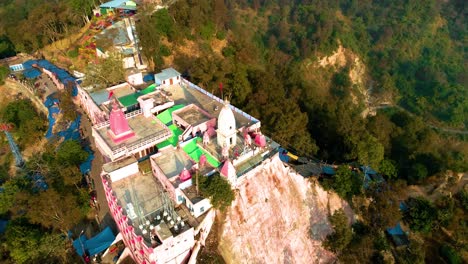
(85, 167)
(39, 183)
(403, 207)
(283, 155)
(52, 105)
(63, 76)
(94, 245)
(31, 73)
(368, 170)
(148, 78)
(3, 225)
(396, 230)
(328, 170)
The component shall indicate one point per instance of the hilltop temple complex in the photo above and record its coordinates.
(155, 142)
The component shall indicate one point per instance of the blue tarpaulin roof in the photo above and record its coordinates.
(3, 225)
(63, 76)
(283, 155)
(86, 166)
(396, 230)
(328, 170)
(94, 245)
(368, 170)
(31, 73)
(148, 78)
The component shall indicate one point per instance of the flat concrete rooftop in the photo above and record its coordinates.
(172, 162)
(143, 127)
(192, 115)
(192, 194)
(187, 96)
(123, 91)
(139, 194)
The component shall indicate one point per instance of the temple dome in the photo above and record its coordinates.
(226, 127)
(226, 120)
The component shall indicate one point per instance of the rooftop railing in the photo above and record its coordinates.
(233, 108)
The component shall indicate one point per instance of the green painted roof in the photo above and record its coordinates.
(176, 132)
(149, 89)
(194, 151)
(166, 115)
(129, 100)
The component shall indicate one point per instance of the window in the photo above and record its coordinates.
(202, 209)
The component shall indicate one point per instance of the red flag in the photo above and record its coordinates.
(111, 93)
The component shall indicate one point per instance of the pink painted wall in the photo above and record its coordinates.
(92, 110)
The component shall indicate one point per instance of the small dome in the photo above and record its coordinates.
(260, 140)
(226, 120)
(185, 175)
(202, 160)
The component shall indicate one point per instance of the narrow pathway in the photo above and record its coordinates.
(102, 212)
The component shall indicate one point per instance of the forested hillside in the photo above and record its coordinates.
(266, 52)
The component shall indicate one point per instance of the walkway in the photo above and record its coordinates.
(102, 214)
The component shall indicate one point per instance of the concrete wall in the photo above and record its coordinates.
(95, 114)
(124, 172)
(159, 174)
(175, 249)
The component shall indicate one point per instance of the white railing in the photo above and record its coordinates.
(235, 109)
(127, 116)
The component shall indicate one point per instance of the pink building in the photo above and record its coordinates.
(129, 134)
(151, 228)
(193, 120)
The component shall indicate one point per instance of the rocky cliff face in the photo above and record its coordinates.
(278, 217)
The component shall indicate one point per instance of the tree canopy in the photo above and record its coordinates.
(217, 189)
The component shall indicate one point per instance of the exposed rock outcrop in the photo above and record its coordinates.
(278, 217)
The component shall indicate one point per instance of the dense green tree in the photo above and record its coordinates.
(70, 153)
(420, 215)
(218, 190)
(67, 106)
(388, 168)
(105, 73)
(342, 233)
(4, 71)
(450, 255)
(370, 152)
(345, 182)
(384, 208)
(29, 125)
(27, 243)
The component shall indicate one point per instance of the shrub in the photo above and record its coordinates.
(73, 53)
(164, 50)
(450, 255)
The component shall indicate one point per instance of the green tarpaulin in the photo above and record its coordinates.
(166, 115)
(194, 151)
(176, 132)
